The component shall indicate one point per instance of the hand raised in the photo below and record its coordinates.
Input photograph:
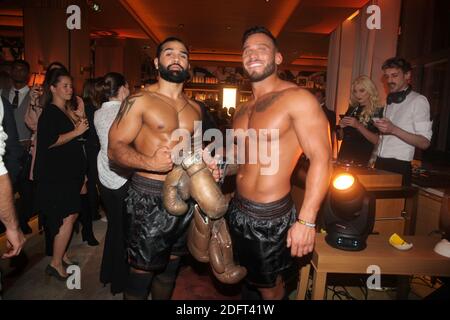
(81, 127)
(161, 161)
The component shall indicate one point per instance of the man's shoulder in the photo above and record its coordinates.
(141, 95)
(418, 100)
(298, 98)
(245, 105)
(296, 92)
(416, 95)
(140, 99)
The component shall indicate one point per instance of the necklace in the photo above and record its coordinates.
(163, 100)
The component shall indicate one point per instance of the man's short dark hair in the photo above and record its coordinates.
(21, 62)
(398, 63)
(169, 39)
(259, 29)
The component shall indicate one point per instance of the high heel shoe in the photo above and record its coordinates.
(49, 270)
(71, 263)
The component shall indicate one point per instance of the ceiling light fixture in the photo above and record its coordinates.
(94, 6)
(353, 15)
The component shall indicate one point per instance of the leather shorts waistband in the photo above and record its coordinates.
(147, 185)
(268, 210)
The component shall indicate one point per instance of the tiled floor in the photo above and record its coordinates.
(194, 282)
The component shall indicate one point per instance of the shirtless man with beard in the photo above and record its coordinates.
(140, 139)
(266, 230)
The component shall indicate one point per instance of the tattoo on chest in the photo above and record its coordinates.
(126, 106)
(259, 106)
(265, 103)
(242, 111)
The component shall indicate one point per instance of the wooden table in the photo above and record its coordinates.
(420, 260)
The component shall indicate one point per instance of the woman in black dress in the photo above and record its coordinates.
(92, 146)
(60, 167)
(356, 128)
(90, 200)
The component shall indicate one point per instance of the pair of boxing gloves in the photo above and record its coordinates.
(193, 179)
(208, 236)
(209, 241)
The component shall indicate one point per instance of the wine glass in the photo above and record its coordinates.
(82, 138)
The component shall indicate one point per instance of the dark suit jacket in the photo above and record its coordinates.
(14, 154)
(19, 115)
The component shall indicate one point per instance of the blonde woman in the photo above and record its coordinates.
(356, 128)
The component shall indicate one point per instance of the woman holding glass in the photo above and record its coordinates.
(60, 167)
(356, 128)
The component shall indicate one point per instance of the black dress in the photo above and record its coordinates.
(92, 147)
(355, 147)
(59, 172)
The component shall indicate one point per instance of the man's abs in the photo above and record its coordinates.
(262, 183)
(253, 186)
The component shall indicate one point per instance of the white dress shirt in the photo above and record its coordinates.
(413, 116)
(22, 94)
(3, 137)
(111, 176)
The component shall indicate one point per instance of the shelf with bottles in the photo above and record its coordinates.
(204, 80)
(207, 87)
(202, 95)
(308, 80)
(244, 96)
(214, 93)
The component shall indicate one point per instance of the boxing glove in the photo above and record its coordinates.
(199, 235)
(203, 188)
(176, 191)
(221, 255)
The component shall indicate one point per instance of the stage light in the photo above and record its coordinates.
(343, 181)
(348, 213)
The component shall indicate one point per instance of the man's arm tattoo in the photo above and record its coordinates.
(126, 106)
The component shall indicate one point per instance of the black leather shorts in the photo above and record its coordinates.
(259, 233)
(152, 233)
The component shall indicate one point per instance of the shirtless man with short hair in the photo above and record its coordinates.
(140, 139)
(263, 221)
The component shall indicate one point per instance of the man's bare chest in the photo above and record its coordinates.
(167, 119)
(267, 113)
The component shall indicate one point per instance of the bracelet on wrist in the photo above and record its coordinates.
(305, 223)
